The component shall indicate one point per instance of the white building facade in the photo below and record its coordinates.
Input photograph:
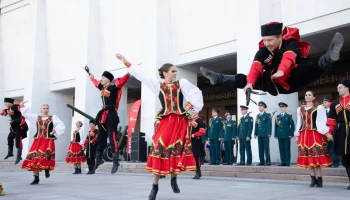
(45, 43)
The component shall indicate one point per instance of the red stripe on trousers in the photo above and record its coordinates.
(115, 142)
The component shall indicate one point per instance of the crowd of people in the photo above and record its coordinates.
(279, 67)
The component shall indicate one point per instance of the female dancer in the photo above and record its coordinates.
(75, 154)
(311, 135)
(171, 150)
(41, 155)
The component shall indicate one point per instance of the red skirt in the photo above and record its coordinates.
(75, 154)
(41, 155)
(312, 150)
(171, 150)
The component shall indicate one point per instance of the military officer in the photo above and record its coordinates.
(214, 130)
(245, 130)
(229, 135)
(284, 131)
(263, 132)
(335, 158)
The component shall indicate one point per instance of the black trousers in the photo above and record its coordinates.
(90, 161)
(198, 161)
(14, 136)
(102, 139)
(303, 75)
(346, 161)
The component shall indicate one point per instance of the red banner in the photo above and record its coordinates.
(134, 112)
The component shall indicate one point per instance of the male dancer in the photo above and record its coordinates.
(197, 127)
(338, 121)
(90, 145)
(279, 66)
(327, 101)
(18, 128)
(107, 118)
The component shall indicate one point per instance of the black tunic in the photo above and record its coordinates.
(17, 124)
(110, 96)
(340, 117)
(197, 145)
(91, 147)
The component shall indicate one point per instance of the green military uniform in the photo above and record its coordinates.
(245, 129)
(284, 131)
(214, 131)
(263, 132)
(229, 134)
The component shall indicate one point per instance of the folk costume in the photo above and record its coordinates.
(18, 129)
(75, 154)
(171, 149)
(107, 118)
(338, 122)
(197, 127)
(91, 146)
(290, 58)
(41, 155)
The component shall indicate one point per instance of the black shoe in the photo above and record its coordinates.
(47, 173)
(115, 163)
(153, 194)
(240, 164)
(287, 165)
(212, 76)
(19, 156)
(335, 166)
(90, 170)
(268, 164)
(36, 180)
(333, 52)
(75, 171)
(174, 186)
(212, 163)
(197, 176)
(200, 172)
(319, 182)
(225, 163)
(313, 181)
(250, 164)
(79, 171)
(261, 164)
(9, 153)
(348, 188)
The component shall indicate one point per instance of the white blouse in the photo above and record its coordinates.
(58, 125)
(321, 120)
(191, 92)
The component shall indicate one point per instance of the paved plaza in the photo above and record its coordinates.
(125, 186)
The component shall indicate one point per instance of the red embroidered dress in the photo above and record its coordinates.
(75, 154)
(41, 155)
(171, 150)
(312, 142)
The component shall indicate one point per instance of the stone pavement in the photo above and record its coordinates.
(128, 186)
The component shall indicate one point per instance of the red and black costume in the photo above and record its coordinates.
(75, 154)
(171, 149)
(311, 130)
(18, 129)
(90, 145)
(107, 118)
(290, 58)
(41, 155)
(339, 122)
(197, 127)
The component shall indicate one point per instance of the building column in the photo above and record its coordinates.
(247, 41)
